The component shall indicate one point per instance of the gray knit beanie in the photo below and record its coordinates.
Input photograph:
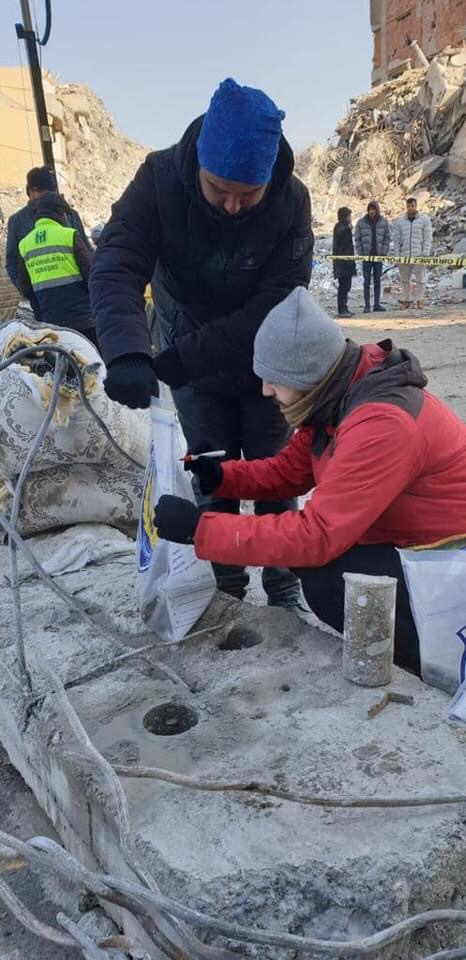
(297, 343)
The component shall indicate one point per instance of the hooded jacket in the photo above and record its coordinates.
(343, 244)
(363, 234)
(216, 277)
(393, 471)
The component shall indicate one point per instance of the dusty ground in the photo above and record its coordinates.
(438, 336)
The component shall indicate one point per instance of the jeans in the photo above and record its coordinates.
(217, 417)
(367, 270)
(324, 590)
(344, 287)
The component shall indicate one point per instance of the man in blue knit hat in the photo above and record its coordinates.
(223, 228)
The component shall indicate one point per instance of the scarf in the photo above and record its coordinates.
(300, 410)
(319, 407)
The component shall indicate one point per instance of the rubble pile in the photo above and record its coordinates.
(402, 136)
(94, 161)
(99, 161)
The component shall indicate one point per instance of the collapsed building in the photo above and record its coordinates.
(405, 135)
(94, 161)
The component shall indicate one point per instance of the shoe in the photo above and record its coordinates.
(345, 313)
(367, 309)
(299, 608)
(419, 304)
(379, 308)
(404, 304)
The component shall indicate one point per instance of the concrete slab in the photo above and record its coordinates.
(425, 168)
(278, 712)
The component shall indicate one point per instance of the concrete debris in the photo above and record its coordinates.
(94, 161)
(405, 132)
(424, 169)
(263, 862)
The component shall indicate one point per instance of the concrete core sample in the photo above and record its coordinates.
(276, 711)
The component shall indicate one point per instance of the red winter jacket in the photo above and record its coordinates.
(393, 472)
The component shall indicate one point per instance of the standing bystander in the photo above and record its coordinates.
(412, 237)
(372, 239)
(343, 270)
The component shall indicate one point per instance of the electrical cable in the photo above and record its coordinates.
(48, 24)
(164, 919)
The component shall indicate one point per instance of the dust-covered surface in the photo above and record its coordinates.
(279, 712)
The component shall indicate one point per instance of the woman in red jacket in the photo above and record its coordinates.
(385, 460)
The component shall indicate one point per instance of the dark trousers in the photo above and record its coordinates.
(324, 590)
(344, 287)
(91, 335)
(240, 423)
(369, 269)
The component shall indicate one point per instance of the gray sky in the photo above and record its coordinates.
(155, 64)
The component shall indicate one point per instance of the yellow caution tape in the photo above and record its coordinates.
(426, 261)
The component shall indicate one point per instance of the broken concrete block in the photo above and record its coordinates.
(76, 102)
(424, 169)
(458, 276)
(59, 147)
(278, 712)
(456, 161)
(438, 90)
(55, 109)
(459, 59)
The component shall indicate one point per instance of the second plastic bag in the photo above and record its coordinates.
(174, 586)
(436, 582)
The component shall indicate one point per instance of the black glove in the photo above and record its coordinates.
(131, 380)
(170, 368)
(209, 470)
(176, 519)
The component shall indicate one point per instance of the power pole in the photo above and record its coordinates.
(24, 31)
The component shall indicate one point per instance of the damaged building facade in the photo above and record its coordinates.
(406, 134)
(433, 25)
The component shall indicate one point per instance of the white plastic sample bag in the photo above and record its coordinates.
(457, 707)
(174, 586)
(436, 582)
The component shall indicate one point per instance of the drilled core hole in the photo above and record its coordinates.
(168, 719)
(239, 637)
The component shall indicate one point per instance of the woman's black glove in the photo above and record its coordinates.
(176, 519)
(131, 381)
(209, 470)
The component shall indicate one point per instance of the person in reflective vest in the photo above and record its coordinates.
(54, 263)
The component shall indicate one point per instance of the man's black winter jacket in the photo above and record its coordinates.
(216, 277)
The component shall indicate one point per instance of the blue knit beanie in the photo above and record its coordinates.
(240, 134)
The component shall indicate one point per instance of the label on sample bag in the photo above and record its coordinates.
(147, 531)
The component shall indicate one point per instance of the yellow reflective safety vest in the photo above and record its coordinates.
(48, 255)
